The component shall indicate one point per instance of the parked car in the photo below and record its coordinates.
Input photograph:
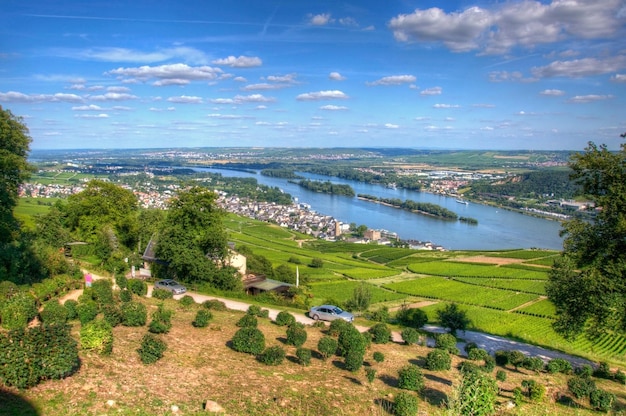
(171, 285)
(330, 313)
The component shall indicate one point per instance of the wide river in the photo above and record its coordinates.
(497, 228)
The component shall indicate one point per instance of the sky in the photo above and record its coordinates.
(483, 74)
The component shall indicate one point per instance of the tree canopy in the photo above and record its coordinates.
(588, 283)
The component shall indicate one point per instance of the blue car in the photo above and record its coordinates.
(330, 313)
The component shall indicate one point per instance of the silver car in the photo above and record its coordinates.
(330, 313)
(171, 285)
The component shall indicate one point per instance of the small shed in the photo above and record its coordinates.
(254, 285)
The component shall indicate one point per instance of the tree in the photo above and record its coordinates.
(361, 298)
(14, 148)
(453, 318)
(588, 283)
(193, 242)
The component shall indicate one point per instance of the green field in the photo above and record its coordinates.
(459, 269)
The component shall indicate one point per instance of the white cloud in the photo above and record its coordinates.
(171, 73)
(508, 25)
(225, 116)
(113, 96)
(336, 76)
(118, 89)
(239, 62)
(618, 78)
(320, 19)
(393, 80)
(515, 76)
(553, 93)
(184, 53)
(333, 107)
(391, 126)
(222, 101)
(253, 98)
(171, 81)
(91, 107)
(185, 99)
(18, 97)
(582, 99)
(580, 67)
(101, 115)
(322, 95)
(240, 79)
(283, 79)
(446, 106)
(432, 91)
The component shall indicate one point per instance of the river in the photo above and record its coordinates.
(497, 228)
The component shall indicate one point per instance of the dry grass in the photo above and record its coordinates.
(199, 366)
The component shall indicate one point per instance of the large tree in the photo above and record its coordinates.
(192, 241)
(588, 283)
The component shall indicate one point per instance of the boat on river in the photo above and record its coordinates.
(462, 201)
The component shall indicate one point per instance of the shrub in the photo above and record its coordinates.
(581, 386)
(378, 356)
(327, 346)
(126, 295)
(186, 301)
(18, 311)
(370, 374)
(138, 287)
(559, 365)
(446, 342)
(532, 363)
(476, 395)
(161, 322)
(584, 371)
(24, 362)
(381, 334)
(151, 349)
(97, 336)
(601, 400)
(477, 354)
(87, 311)
(254, 310)
(405, 404)
(337, 326)
(162, 294)
(304, 356)
(412, 317)
(203, 316)
(620, 377)
(490, 363)
(53, 313)
(468, 366)
(112, 314)
(284, 318)
(249, 340)
(214, 304)
(273, 355)
(102, 291)
(603, 371)
(501, 375)
(296, 335)
(534, 390)
(410, 378)
(71, 305)
(438, 360)
(247, 321)
(353, 360)
(502, 357)
(410, 335)
(470, 346)
(380, 315)
(134, 314)
(121, 281)
(350, 339)
(518, 396)
(516, 358)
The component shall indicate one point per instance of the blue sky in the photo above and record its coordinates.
(425, 74)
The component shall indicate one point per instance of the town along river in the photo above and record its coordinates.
(497, 228)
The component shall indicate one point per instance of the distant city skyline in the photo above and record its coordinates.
(483, 74)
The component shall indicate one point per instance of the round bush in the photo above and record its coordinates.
(53, 313)
(18, 311)
(151, 349)
(581, 386)
(162, 294)
(412, 317)
(138, 287)
(134, 314)
(71, 305)
(273, 355)
(410, 378)
(337, 326)
(534, 390)
(186, 301)
(102, 291)
(477, 354)
(490, 363)
(584, 371)
(602, 400)
(97, 336)
(304, 356)
(353, 360)
(381, 334)
(327, 346)
(87, 311)
(284, 318)
(247, 321)
(410, 336)
(249, 340)
(446, 342)
(378, 356)
(370, 374)
(121, 281)
(438, 360)
(126, 295)
(405, 404)
(112, 314)
(254, 310)
(468, 366)
(161, 322)
(214, 304)
(532, 363)
(296, 335)
(501, 375)
(203, 316)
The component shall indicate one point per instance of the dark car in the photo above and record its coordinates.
(171, 285)
(330, 313)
